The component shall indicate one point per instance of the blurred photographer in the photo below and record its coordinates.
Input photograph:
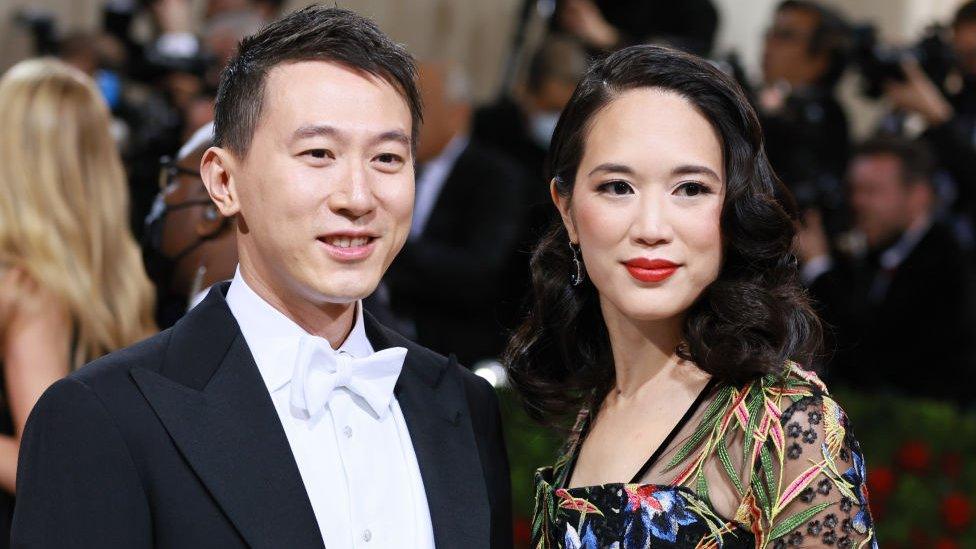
(904, 298)
(806, 50)
(607, 25)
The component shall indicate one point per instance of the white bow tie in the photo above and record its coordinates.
(319, 370)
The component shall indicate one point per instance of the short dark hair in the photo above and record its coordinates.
(917, 161)
(559, 57)
(966, 14)
(317, 33)
(832, 36)
(746, 324)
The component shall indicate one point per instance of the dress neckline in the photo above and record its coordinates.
(577, 448)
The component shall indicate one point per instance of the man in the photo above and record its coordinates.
(804, 55)
(469, 211)
(277, 413)
(902, 307)
(188, 245)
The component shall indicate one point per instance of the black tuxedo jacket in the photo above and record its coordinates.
(456, 269)
(175, 442)
(919, 338)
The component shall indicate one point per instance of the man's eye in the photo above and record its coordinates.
(389, 158)
(319, 153)
(615, 188)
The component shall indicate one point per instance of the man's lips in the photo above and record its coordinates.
(349, 246)
(650, 270)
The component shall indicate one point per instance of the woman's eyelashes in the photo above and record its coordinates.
(692, 188)
(687, 188)
(615, 187)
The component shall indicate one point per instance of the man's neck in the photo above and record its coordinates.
(332, 321)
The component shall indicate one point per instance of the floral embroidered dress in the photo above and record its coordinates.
(772, 464)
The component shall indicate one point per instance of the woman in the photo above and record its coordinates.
(666, 309)
(72, 285)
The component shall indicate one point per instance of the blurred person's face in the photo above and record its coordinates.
(192, 230)
(786, 52)
(324, 195)
(217, 7)
(880, 199)
(444, 116)
(964, 46)
(646, 206)
(543, 107)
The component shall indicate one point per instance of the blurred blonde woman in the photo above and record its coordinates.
(72, 284)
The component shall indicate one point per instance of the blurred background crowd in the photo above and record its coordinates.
(869, 113)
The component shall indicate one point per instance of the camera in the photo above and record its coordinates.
(879, 64)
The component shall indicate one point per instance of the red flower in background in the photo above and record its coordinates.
(881, 482)
(957, 512)
(946, 543)
(914, 456)
(523, 531)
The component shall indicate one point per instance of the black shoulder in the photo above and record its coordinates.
(115, 366)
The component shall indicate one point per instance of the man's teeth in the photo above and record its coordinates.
(346, 242)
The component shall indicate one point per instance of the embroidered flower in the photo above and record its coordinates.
(663, 512)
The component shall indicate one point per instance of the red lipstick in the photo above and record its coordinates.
(650, 270)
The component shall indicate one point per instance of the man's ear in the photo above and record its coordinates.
(562, 204)
(216, 170)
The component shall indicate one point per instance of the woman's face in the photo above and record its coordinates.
(647, 204)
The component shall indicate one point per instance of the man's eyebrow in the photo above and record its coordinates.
(610, 167)
(315, 130)
(320, 130)
(393, 135)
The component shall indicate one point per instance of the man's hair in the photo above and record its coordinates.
(831, 36)
(966, 14)
(559, 57)
(315, 33)
(917, 161)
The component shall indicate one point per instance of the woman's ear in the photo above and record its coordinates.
(215, 170)
(562, 204)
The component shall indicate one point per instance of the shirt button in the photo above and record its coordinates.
(367, 535)
(347, 430)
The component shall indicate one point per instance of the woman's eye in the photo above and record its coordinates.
(692, 188)
(615, 188)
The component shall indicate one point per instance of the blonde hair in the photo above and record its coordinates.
(64, 206)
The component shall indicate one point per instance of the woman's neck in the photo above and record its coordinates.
(642, 350)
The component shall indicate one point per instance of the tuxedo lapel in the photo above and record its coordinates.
(213, 402)
(436, 411)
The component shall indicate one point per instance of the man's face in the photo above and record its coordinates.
(964, 46)
(881, 201)
(326, 189)
(786, 53)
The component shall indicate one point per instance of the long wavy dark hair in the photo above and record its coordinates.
(749, 322)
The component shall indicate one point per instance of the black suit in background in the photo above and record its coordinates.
(175, 442)
(450, 281)
(917, 337)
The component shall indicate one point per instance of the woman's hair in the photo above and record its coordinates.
(64, 206)
(747, 323)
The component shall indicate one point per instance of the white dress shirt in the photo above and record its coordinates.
(360, 472)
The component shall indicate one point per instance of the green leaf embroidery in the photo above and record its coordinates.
(789, 524)
(723, 456)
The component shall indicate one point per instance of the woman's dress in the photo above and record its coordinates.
(771, 464)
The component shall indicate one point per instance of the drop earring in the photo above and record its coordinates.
(577, 277)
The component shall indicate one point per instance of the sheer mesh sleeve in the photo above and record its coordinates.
(816, 481)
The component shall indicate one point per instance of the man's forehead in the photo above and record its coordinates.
(310, 92)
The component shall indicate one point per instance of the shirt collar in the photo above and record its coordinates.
(273, 338)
